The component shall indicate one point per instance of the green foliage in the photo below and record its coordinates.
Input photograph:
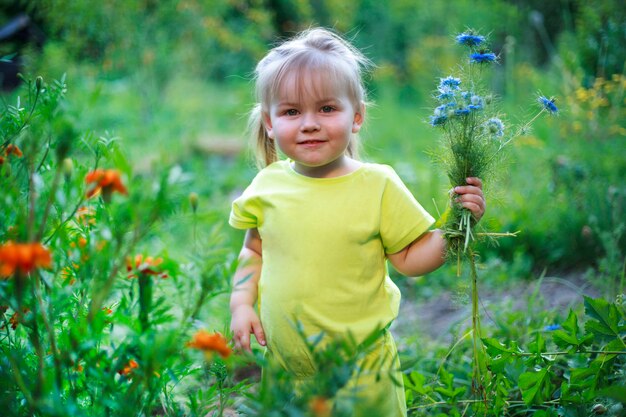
(528, 372)
(143, 101)
(88, 326)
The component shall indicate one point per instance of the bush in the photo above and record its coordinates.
(94, 323)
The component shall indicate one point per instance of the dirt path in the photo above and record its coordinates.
(435, 317)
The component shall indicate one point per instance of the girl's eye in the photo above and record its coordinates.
(291, 112)
(327, 109)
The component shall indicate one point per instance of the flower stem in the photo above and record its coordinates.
(478, 360)
(51, 197)
(51, 335)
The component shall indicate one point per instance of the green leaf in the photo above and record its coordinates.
(605, 315)
(569, 336)
(538, 346)
(535, 386)
(615, 392)
(494, 347)
(415, 382)
(616, 345)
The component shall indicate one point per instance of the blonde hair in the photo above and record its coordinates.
(311, 50)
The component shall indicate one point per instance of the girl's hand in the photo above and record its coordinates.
(244, 322)
(471, 197)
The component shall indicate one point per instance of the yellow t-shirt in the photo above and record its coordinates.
(324, 242)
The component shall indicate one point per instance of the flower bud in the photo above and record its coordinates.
(66, 134)
(39, 83)
(68, 168)
(193, 200)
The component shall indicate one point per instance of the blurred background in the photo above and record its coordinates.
(171, 81)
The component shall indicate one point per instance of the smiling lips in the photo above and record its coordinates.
(311, 142)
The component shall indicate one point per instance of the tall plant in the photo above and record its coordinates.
(473, 138)
(89, 325)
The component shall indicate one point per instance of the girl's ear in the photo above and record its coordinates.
(359, 118)
(267, 123)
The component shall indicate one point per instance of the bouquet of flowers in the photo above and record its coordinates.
(473, 137)
(473, 132)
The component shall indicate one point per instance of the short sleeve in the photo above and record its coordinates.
(246, 211)
(403, 219)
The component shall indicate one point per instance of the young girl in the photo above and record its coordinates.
(321, 224)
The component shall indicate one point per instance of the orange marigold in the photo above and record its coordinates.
(86, 216)
(105, 180)
(210, 342)
(129, 367)
(17, 318)
(23, 258)
(147, 265)
(320, 406)
(13, 150)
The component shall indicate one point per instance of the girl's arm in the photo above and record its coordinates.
(427, 252)
(245, 287)
(423, 255)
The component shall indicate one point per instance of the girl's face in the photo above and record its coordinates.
(312, 124)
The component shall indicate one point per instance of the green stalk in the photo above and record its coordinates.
(145, 300)
(35, 340)
(479, 354)
(51, 197)
(51, 335)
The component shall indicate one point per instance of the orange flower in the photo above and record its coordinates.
(210, 342)
(147, 265)
(23, 258)
(13, 150)
(320, 406)
(107, 180)
(68, 273)
(86, 216)
(17, 318)
(82, 242)
(128, 368)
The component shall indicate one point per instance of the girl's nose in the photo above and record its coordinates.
(309, 123)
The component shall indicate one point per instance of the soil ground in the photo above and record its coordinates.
(435, 317)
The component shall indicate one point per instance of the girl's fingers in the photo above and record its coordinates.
(468, 189)
(474, 181)
(471, 198)
(242, 341)
(474, 203)
(259, 333)
(476, 209)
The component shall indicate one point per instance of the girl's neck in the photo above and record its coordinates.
(343, 165)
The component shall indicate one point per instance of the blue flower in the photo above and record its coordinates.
(552, 327)
(494, 126)
(450, 82)
(548, 105)
(462, 111)
(476, 102)
(440, 110)
(470, 40)
(445, 93)
(437, 120)
(482, 58)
